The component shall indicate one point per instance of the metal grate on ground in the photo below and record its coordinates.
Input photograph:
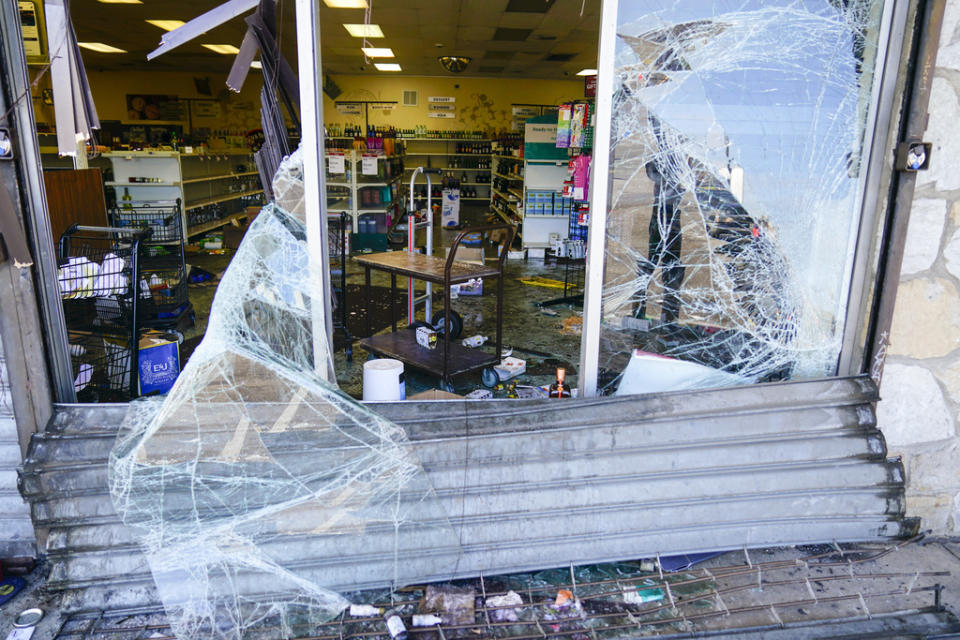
(609, 601)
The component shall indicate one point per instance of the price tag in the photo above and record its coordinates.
(368, 165)
(336, 164)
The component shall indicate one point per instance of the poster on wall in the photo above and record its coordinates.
(142, 106)
(590, 86)
(30, 28)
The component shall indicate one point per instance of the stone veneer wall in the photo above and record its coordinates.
(920, 408)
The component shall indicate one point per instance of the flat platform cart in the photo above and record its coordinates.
(448, 359)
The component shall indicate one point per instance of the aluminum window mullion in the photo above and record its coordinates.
(600, 181)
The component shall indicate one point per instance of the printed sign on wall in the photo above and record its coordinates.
(143, 106)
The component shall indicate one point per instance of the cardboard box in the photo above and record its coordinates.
(434, 394)
(159, 363)
(468, 254)
(426, 338)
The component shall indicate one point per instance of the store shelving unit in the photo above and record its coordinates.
(543, 175)
(506, 191)
(199, 180)
(372, 197)
(442, 154)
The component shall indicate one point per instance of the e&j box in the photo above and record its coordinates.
(159, 363)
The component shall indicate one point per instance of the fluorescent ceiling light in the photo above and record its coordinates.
(256, 65)
(167, 25)
(225, 49)
(364, 30)
(387, 66)
(100, 47)
(377, 52)
(346, 4)
(121, 1)
(587, 72)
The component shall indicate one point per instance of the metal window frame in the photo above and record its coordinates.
(867, 250)
(314, 179)
(34, 196)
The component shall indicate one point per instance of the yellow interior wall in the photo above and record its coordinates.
(482, 103)
(239, 111)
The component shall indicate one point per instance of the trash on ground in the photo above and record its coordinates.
(504, 615)
(364, 610)
(641, 596)
(454, 605)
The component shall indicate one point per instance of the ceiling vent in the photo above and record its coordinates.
(410, 97)
(560, 57)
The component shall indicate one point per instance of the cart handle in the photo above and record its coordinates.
(511, 231)
(144, 233)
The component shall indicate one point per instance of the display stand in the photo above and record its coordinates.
(338, 240)
(215, 187)
(370, 201)
(545, 169)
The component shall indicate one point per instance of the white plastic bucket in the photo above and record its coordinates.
(383, 380)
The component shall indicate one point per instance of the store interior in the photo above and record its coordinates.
(473, 104)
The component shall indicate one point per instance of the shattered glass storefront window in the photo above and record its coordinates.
(735, 162)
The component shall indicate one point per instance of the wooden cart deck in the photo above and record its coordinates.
(403, 346)
(427, 268)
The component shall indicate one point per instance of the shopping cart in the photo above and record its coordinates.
(98, 274)
(162, 265)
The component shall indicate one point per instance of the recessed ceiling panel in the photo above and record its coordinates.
(529, 6)
(511, 35)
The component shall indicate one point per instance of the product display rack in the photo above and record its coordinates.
(446, 154)
(369, 201)
(214, 187)
(506, 199)
(543, 175)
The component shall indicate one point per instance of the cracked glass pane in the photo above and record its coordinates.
(737, 135)
(255, 481)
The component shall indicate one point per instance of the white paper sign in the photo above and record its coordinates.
(349, 109)
(545, 133)
(441, 99)
(336, 164)
(443, 107)
(368, 165)
(381, 106)
(442, 114)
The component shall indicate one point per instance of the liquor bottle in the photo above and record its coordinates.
(559, 388)
(127, 198)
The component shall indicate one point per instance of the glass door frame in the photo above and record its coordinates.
(875, 175)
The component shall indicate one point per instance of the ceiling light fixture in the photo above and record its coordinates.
(454, 64)
(364, 30)
(256, 64)
(99, 47)
(387, 66)
(167, 25)
(377, 52)
(346, 4)
(225, 49)
(587, 72)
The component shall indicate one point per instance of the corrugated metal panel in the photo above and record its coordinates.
(16, 529)
(533, 484)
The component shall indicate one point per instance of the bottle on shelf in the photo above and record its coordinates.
(126, 198)
(559, 388)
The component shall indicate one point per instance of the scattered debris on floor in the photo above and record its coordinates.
(771, 589)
